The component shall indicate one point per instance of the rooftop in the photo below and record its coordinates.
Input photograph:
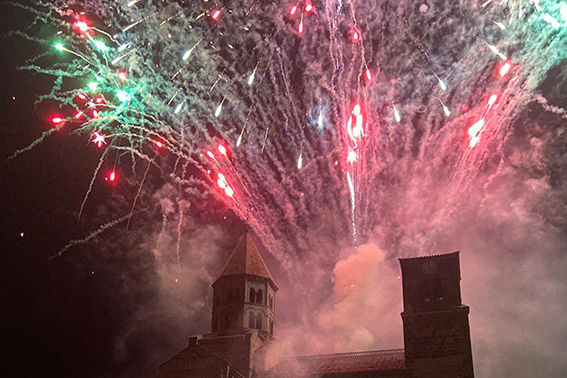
(376, 360)
(441, 255)
(246, 259)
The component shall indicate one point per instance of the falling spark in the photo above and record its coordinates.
(101, 46)
(492, 99)
(446, 110)
(252, 75)
(351, 157)
(82, 26)
(442, 84)
(265, 139)
(56, 120)
(356, 132)
(496, 51)
(355, 36)
(188, 53)
(178, 107)
(216, 14)
(98, 139)
(397, 116)
(500, 25)
(228, 191)
(219, 108)
(251, 78)
(122, 75)
(293, 10)
(239, 140)
(504, 69)
(353, 204)
(122, 96)
(300, 161)
(222, 149)
(219, 77)
(221, 183)
(475, 128)
(136, 23)
(368, 74)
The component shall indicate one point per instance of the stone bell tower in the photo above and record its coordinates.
(244, 293)
(436, 323)
(241, 342)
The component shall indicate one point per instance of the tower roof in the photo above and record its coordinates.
(246, 259)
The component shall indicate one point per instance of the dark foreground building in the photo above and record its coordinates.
(241, 344)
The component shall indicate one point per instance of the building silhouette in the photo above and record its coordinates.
(242, 344)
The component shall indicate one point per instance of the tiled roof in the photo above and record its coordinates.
(377, 360)
(194, 357)
(429, 256)
(246, 259)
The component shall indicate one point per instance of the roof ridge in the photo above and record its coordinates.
(246, 259)
(423, 257)
(358, 353)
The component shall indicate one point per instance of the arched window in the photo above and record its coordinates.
(259, 296)
(251, 321)
(271, 326)
(271, 302)
(252, 295)
(259, 321)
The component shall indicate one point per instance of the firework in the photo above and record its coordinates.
(179, 79)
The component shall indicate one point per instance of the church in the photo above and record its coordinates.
(436, 330)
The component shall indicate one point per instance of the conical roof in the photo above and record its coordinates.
(246, 259)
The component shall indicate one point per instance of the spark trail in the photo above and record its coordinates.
(188, 75)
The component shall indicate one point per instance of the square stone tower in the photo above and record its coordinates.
(436, 323)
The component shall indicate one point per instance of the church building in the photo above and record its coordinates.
(437, 339)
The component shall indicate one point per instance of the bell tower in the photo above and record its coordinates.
(241, 342)
(244, 296)
(436, 323)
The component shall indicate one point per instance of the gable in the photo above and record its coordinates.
(193, 361)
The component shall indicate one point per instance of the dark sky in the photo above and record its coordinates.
(60, 317)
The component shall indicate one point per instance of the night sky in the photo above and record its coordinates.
(125, 300)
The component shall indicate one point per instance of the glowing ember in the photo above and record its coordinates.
(98, 139)
(57, 120)
(82, 26)
(293, 10)
(504, 69)
(216, 14)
